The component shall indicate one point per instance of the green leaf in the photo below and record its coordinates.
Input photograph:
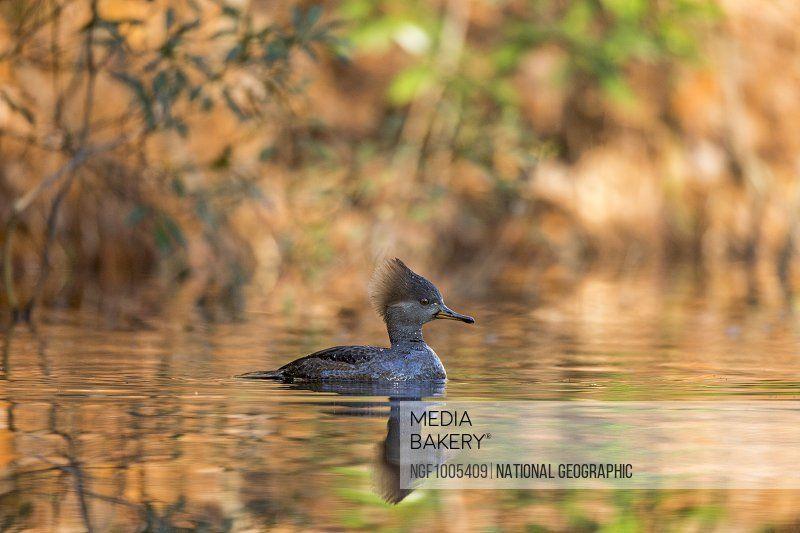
(168, 48)
(313, 15)
(186, 27)
(223, 160)
(201, 64)
(137, 214)
(173, 230)
(223, 32)
(160, 83)
(678, 40)
(577, 21)
(309, 51)
(408, 83)
(233, 106)
(305, 20)
(236, 53)
(632, 10)
(276, 50)
(161, 238)
(617, 89)
(356, 9)
(181, 81)
(204, 212)
(376, 35)
(178, 187)
(230, 11)
(112, 28)
(16, 107)
(181, 127)
(141, 95)
(297, 16)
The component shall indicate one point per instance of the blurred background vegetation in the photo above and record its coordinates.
(188, 153)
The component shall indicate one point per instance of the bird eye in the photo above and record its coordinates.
(424, 301)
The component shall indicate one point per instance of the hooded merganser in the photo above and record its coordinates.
(406, 301)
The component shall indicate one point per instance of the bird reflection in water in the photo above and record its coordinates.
(386, 462)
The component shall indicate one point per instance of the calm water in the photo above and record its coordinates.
(146, 429)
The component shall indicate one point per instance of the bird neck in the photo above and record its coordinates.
(404, 333)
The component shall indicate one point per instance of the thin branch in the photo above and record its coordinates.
(6, 373)
(75, 162)
(423, 109)
(55, 58)
(23, 35)
(8, 271)
(91, 76)
(52, 217)
(21, 204)
(32, 140)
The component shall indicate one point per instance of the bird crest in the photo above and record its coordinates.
(394, 282)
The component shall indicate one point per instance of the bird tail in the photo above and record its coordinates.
(262, 374)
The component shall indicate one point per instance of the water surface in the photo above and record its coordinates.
(145, 427)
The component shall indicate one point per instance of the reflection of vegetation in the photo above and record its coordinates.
(161, 442)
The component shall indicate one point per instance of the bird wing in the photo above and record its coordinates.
(351, 355)
(338, 358)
